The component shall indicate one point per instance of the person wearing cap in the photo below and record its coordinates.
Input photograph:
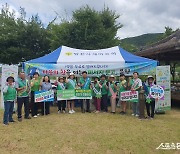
(84, 83)
(36, 83)
(104, 92)
(96, 87)
(136, 85)
(9, 93)
(61, 103)
(150, 102)
(23, 89)
(112, 93)
(121, 88)
(71, 84)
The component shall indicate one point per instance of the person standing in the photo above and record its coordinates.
(112, 93)
(96, 87)
(104, 91)
(136, 85)
(35, 86)
(23, 89)
(46, 86)
(61, 86)
(85, 84)
(121, 88)
(71, 84)
(150, 102)
(9, 94)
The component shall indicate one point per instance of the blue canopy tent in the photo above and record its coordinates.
(108, 61)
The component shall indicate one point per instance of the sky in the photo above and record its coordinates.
(137, 16)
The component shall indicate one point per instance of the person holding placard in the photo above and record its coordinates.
(23, 89)
(112, 93)
(35, 86)
(71, 84)
(84, 83)
(121, 88)
(61, 103)
(46, 86)
(136, 85)
(150, 102)
(104, 92)
(9, 93)
(96, 87)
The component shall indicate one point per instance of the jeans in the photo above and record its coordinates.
(20, 101)
(34, 107)
(135, 106)
(8, 111)
(47, 108)
(85, 105)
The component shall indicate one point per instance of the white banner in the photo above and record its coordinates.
(7, 70)
(129, 95)
(163, 79)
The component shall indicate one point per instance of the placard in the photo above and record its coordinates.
(44, 96)
(129, 95)
(157, 92)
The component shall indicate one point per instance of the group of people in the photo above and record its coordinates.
(103, 89)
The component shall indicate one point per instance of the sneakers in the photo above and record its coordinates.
(70, 112)
(64, 111)
(5, 124)
(137, 115)
(12, 121)
(133, 114)
(59, 111)
(35, 116)
(97, 111)
(19, 119)
(122, 113)
(27, 118)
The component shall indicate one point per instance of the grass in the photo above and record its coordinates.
(90, 133)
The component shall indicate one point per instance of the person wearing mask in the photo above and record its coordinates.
(84, 83)
(121, 88)
(9, 94)
(96, 87)
(23, 89)
(104, 92)
(35, 86)
(46, 86)
(61, 86)
(71, 84)
(150, 102)
(136, 85)
(112, 93)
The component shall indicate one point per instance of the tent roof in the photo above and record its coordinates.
(65, 54)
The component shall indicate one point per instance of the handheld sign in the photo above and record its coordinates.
(157, 91)
(44, 96)
(129, 96)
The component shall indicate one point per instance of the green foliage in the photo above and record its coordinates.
(88, 29)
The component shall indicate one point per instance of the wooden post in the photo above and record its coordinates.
(141, 104)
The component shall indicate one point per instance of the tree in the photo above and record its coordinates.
(88, 29)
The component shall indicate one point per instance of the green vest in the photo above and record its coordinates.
(113, 88)
(121, 87)
(10, 95)
(83, 81)
(69, 85)
(59, 87)
(23, 83)
(99, 94)
(104, 90)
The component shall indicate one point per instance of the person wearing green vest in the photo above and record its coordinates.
(9, 94)
(96, 87)
(104, 91)
(121, 88)
(71, 84)
(85, 83)
(150, 102)
(136, 85)
(61, 103)
(35, 86)
(22, 87)
(112, 92)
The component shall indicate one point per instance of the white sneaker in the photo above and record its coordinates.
(133, 114)
(137, 115)
(35, 116)
(59, 111)
(70, 112)
(38, 114)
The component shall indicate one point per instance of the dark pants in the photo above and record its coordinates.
(8, 111)
(20, 101)
(152, 106)
(34, 107)
(47, 108)
(61, 105)
(85, 105)
(104, 105)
